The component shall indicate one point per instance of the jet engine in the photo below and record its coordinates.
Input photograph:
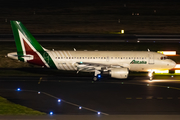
(120, 73)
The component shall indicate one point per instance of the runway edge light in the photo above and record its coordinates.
(51, 113)
(122, 31)
(18, 89)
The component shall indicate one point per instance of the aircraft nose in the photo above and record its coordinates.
(172, 64)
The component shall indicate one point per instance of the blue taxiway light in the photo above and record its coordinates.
(99, 76)
(59, 100)
(80, 108)
(98, 113)
(18, 89)
(51, 113)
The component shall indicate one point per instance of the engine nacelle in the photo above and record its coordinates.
(120, 73)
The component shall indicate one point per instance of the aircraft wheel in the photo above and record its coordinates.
(95, 78)
(150, 79)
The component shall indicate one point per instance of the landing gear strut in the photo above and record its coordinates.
(150, 75)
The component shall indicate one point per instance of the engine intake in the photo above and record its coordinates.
(120, 73)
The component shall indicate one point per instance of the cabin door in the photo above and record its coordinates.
(151, 58)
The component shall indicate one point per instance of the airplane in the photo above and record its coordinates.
(115, 63)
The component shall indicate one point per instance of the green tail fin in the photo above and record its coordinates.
(23, 36)
(28, 49)
(20, 33)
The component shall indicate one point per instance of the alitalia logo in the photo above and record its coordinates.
(138, 62)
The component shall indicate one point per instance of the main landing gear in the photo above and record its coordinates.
(97, 75)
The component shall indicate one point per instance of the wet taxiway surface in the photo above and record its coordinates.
(110, 97)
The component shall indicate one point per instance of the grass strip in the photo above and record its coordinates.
(9, 108)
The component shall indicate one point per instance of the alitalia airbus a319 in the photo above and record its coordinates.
(116, 63)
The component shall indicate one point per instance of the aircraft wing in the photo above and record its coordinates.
(88, 66)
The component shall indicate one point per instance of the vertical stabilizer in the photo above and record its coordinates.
(28, 49)
(22, 37)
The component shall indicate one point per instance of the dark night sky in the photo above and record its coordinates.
(87, 13)
(60, 3)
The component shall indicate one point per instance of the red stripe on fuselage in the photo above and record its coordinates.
(37, 60)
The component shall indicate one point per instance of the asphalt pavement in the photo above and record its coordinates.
(110, 97)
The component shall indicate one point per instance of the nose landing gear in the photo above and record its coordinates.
(150, 75)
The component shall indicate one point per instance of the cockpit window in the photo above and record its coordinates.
(164, 58)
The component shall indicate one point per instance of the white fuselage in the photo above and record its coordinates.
(133, 60)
